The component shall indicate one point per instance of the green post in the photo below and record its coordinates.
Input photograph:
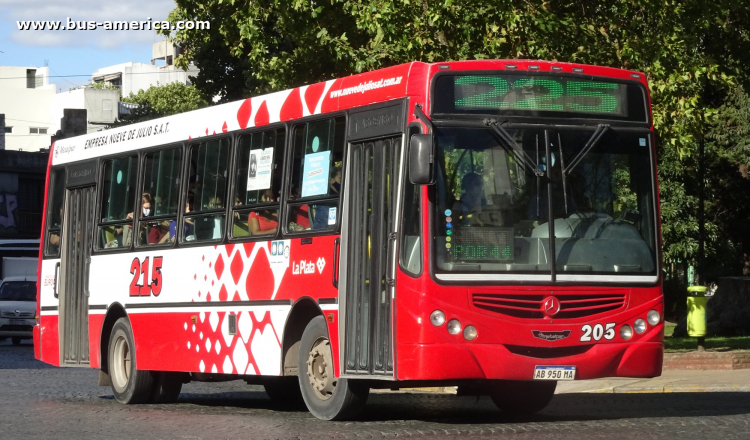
(696, 320)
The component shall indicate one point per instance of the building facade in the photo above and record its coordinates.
(132, 77)
(25, 99)
(33, 110)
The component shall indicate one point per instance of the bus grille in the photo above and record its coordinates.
(20, 315)
(548, 352)
(574, 305)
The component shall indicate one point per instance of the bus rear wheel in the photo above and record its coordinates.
(522, 396)
(167, 387)
(129, 384)
(326, 397)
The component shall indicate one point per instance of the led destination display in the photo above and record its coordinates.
(519, 94)
(483, 244)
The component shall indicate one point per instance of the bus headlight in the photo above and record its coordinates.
(653, 317)
(437, 318)
(470, 333)
(640, 326)
(626, 332)
(454, 327)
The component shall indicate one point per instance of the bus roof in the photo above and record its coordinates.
(411, 79)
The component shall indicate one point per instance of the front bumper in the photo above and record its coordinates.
(17, 329)
(495, 361)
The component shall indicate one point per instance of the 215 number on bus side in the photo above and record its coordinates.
(147, 278)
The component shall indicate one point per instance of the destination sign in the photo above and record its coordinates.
(518, 94)
(483, 244)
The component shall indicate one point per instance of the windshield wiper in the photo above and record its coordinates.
(509, 144)
(601, 129)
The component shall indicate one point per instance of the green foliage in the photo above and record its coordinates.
(102, 86)
(159, 101)
(732, 129)
(692, 51)
(672, 344)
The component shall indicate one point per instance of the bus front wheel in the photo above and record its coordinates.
(129, 384)
(522, 397)
(327, 397)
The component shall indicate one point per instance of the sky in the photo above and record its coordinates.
(79, 52)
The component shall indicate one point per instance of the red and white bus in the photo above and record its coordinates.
(293, 240)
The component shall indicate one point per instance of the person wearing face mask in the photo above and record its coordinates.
(155, 231)
(146, 202)
(145, 206)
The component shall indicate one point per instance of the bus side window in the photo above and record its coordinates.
(115, 222)
(255, 211)
(206, 198)
(159, 197)
(411, 245)
(317, 163)
(55, 207)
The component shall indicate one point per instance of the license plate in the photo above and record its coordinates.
(17, 322)
(548, 372)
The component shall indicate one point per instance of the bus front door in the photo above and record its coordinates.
(368, 247)
(76, 258)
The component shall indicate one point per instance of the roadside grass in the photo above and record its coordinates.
(717, 344)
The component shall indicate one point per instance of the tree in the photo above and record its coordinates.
(159, 101)
(729, 180)
(691, 50)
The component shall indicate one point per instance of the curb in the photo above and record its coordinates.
(707, 360)
(658, 389)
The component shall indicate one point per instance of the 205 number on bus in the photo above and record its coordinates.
(597, 332)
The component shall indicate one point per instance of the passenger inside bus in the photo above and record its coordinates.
(189, 226)
(156, 231)
(216, 203)
(335, 183)
(54, 237)
(299, 216)
(264, 221)
(471, 208)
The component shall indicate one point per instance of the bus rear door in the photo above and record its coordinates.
(80, 201)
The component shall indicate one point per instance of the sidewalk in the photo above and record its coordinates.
(671, 381)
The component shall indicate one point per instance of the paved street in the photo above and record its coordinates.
(37, 401)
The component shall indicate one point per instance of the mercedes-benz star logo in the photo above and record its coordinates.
(18, 313)
(551, 306)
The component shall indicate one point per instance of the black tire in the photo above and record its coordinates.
(129, 384)
(167, 387)
(334, 399)
(521, 396)
(284, 391)
(16, 341)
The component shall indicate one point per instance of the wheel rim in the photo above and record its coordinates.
(121, 363)
(320, 369)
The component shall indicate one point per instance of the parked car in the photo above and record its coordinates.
(17, 308)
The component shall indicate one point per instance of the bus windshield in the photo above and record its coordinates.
(496, 193)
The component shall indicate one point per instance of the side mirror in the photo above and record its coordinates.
(421, 159)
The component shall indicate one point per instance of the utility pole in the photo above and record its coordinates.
(701, 202)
